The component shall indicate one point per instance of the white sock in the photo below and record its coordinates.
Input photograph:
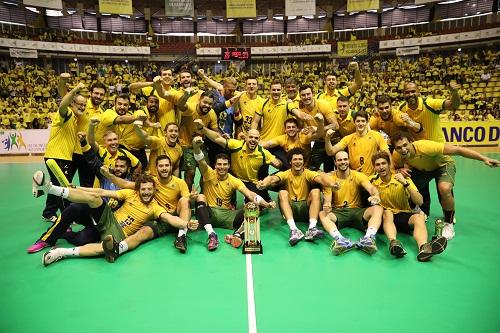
(291, 224)
(209, 229)
(312, 223)
(69, 252)
(336, 234)
(58, 191)
(371, 231)
(122, 247)
(182, 232)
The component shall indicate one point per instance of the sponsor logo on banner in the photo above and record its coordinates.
(472, 133)
(352, 48)
(116, 7)
(179, 8)
(240, 8)
(403, 51)
(23, 53)
(300, 7)
(360, 5)
(23, 141)
(55, 4)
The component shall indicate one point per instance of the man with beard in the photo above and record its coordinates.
(331, 92)
(389, 121)
(344, 208)
(138, 207)
(395, 191)
(213, 207)
(294, 137)
(172, 194)
(247, 156)
(62, 144)
(165, 144)
(426, 160)
(345, 118)
(311, 106)
(298, 200)
(362, 144)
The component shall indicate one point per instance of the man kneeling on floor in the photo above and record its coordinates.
(115, 228)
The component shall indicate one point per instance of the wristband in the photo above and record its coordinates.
(138, 123)
(258, 199)
(199, 157)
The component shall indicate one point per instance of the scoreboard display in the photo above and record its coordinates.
(235, 53)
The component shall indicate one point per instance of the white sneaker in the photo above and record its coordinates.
(38, 183)
(51, 257)
(448, 231)
(295, 236)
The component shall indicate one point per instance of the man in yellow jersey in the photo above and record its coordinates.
(292, 90)
(166, 144)
(345, 118)
(310, 106)
(247, 104)
(271, 119)
(344, 208)
(428, 160)
(294, 137)
(362, 144)
(426, 110)
(388, 120)
(110, 150)
(331, 92)
(298, 200)
(395, 192)
(213, 207)
(247, 156)
(62, 143)
(139, 206)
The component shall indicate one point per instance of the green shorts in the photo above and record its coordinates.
(444, 174)
(188, 162)
(350, 217)
(108, 225)
(160, 228)
(223, 217)
(300, 210)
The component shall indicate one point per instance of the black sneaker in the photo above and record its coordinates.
(110, 248)
(432, 248)
(180, 243)
(397, 249)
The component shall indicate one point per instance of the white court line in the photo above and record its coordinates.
(252, 320)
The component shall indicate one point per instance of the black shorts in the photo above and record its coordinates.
(401, 222)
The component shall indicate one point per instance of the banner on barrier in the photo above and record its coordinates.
(23, 141)
(241, 8)
(116, 7)
(352, 48)
(472, 133)
(179, 8)
(23, 53)
(300, 7)
(403, 51)
(362, 5)
(54, 4)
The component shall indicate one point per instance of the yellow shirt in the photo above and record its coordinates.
(428, 156)
(362, 148)
(331, 98)
(390, 126)
(346, 126)
(248, 107)
(167, 112)
(348, 196)
(322, 107)
(298, 186)
(427, 114)
(219, 192)
(187, 130)
(107, 119)
(273, 116)
(159, 146)
(302, 141)
(246, 164)
(133, 212)
(127, 135)
(62, 139)
(393, 195)
(109, 160)
(168, 194)
(84, 121)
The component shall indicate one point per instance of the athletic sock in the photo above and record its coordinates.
(449, 215)
(336, 234)
(312, 223)
(209, 229)
(371, 232)
(182, 232)
(58, 191)
(122, 247)
(202, 213)
(69, 252)
(291, 224)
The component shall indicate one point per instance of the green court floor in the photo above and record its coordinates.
(300, 289)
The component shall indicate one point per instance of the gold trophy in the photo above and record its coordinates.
(251, 243)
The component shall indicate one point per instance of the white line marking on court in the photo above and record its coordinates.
(252, 320)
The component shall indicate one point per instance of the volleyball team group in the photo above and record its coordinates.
(336, 167)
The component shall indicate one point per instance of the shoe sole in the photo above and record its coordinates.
(45, 255)
(233, 240)
(181, 249)
(211, 249)
(342, 250)
(369, 250)
(438, 245)
(109, 255)
(397, 251)
(313, 238)
(295, 241)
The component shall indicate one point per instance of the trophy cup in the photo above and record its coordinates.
(251, 243)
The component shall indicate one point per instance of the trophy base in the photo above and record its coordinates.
(255, 248)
